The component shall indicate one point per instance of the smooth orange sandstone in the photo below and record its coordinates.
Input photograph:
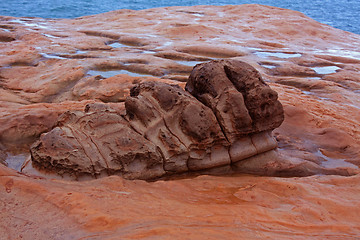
(205, 207)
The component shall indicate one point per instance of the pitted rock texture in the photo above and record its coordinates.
(165, 129)
(96, 143)
(185, 130)
(241, 101)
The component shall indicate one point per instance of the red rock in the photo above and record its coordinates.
(96, 143)
(166, 130)
(242, 102)
(320, 110)
(186, 131)
(23, 124)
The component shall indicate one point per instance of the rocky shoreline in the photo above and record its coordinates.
(88, 66)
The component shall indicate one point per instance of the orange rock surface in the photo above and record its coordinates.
(50, 66)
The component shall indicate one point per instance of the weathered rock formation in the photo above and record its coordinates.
(225, 116)
(241, 101)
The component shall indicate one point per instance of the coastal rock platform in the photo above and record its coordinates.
(54, 72)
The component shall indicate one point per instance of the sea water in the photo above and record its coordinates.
(343, 14)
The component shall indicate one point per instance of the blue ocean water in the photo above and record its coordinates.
(343, 14)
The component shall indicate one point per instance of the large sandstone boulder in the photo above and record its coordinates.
(225, 116)
(246, 108)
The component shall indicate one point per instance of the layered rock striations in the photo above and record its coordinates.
(226, 115)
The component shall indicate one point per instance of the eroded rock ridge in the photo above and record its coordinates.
(225, 115)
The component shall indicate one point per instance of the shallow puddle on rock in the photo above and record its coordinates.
(50, 36)
(325, 70)
(26, 23)
(51, 56)
(76, 55)
(117, 45)
(315, 95)
(148, 52)
(268, 66)
(108, 74)
(80, 52)
(167, 44)
(341, 53)
(263, 54)
(334, 163)
(16, 161)
(189, 63)
(198, 14)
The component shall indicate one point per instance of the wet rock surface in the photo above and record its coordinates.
(51, 66)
